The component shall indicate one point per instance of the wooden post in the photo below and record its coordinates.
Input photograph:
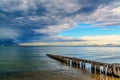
(110, 71)
(97, 68)
(116, 70)
(83, 65)
(77, 64)
(70, 62)
(93, 67)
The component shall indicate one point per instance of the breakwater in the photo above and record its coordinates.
(97, 67)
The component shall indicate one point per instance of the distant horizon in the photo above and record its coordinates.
(67, 44)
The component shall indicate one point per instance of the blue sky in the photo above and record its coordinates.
(29, 21)
(89, 30)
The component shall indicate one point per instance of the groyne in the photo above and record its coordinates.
(97, 67)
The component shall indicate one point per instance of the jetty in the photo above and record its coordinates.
(97, 67)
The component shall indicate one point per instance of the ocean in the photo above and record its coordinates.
(31, 63)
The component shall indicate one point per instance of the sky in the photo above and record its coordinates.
(60, 22)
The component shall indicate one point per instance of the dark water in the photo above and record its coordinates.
(21, 59)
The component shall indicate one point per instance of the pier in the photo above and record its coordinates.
(97, 67)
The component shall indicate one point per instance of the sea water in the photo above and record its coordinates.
(22, 59)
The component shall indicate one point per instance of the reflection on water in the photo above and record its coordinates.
(21, 59)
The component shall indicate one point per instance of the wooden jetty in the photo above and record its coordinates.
(108, 69)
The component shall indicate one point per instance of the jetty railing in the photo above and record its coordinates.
(108, 69)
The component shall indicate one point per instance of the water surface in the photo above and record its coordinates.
(33, 59)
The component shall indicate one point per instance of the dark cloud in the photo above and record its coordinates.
(8, 42)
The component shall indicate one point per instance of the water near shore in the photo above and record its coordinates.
(31, 63)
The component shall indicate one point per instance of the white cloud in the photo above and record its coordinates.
(106, 16)
(102, 40)
(54, 29)
(116, 11)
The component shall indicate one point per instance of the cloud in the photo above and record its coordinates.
(107, 16)
(8, 33)
(113, 40)
(62, 39)
(116, 10)
(9, 36)
(54, 29)
(38, 20)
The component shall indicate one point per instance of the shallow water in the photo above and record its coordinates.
(33, 60)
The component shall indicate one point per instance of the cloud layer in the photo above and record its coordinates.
(113, 40)
(43, 20)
